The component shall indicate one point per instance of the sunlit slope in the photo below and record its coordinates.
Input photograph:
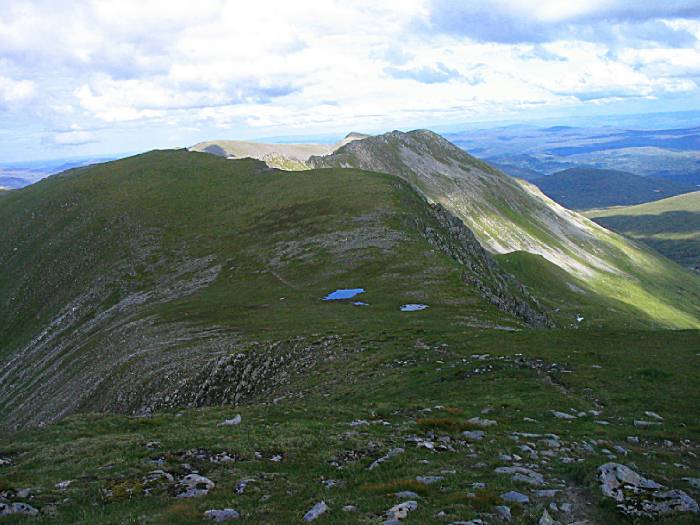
(123, 281)
(670, 226)
(509, 215)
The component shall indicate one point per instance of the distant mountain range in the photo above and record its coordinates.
(585, 187)
(21, 174)
(530, 152)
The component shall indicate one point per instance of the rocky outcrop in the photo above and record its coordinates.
(641, 497)
(453, 238)
(253, 370)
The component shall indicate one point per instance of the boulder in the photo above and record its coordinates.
(222, 514)
(193, 485)
(315, 511)
(641, 497)
(515, 497)
(400, 511)
(8, 509)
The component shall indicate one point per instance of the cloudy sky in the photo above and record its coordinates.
(105, 77)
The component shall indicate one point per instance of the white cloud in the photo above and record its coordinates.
(74, 138)
(13, 91)
(271, 66)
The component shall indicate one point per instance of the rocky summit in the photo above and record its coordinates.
(387, 330)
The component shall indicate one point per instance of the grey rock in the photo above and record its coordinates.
(634, 440)
(481, 422)
(546, 519)
(639, 423)
(393, 452)
(693, 482)
(474, 435)
(400, 511)
(193, 485)
(222, 514)
(503, 512)
(242, 485)
(522, 474)
(315, 511)
(641, 497)
(653, 415)
(24, 493)
(8, 509)
(155, 476)
(231, 422)
(63, 485)
(562, 415)
(546, 493)
(5, 461)
(513, 496)
(428, 480)
(405, 494)
(349, 508)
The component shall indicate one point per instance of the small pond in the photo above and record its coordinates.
(348, 293)
(413, 307)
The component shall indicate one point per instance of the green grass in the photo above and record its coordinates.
(670, 226)
(508, 215)
(75, 245)
(394, 381)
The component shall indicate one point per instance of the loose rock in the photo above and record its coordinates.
(503, 512)
(222, 514)
(193, 485)
(515, 497)
(231, 422)
(428, 480)
(639, 496)
(474, 435)
(315, 511)
(7, 509)
(400, 511)
(480, 422)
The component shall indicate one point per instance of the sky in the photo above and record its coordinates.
(85, 78)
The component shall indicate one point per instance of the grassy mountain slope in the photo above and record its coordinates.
(408, 386)
(583, 188)
(123, 281)
(670, 226)
(510, 215)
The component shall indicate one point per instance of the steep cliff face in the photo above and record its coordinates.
(482, 271)
(509, 215)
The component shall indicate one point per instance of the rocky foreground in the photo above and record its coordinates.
(517, 439)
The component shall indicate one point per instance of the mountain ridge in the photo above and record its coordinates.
(509, 215)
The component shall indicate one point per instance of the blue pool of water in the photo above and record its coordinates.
(413, 307)
(343, 294)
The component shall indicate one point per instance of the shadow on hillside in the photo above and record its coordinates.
(642, 225)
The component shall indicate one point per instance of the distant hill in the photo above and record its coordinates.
(584, 188)
(290, 157)
(11, 182)
(670, 226)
